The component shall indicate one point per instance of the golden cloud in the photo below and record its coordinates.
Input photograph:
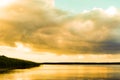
(48, 29)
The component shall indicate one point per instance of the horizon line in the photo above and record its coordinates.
(81, 63)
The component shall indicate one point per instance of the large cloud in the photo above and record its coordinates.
(34, 24)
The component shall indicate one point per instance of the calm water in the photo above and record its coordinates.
(65, 72)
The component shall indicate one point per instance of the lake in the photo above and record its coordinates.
(65, 72)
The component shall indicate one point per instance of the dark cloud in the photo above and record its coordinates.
(43, 28)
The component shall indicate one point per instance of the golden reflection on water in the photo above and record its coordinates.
(64, 72)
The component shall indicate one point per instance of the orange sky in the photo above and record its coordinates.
(44, 34)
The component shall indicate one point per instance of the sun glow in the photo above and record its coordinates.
(22, 48)
(4, 3)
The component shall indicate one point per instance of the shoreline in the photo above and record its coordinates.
(80, 63)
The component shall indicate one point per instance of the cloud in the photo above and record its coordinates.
(36, 25)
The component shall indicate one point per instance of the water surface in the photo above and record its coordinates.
(65, 72)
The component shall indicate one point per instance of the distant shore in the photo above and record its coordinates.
(12, 63)
(81, 63)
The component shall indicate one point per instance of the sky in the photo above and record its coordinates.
(77, 6)
(60, 30)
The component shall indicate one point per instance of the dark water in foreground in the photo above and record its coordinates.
(65, 72)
